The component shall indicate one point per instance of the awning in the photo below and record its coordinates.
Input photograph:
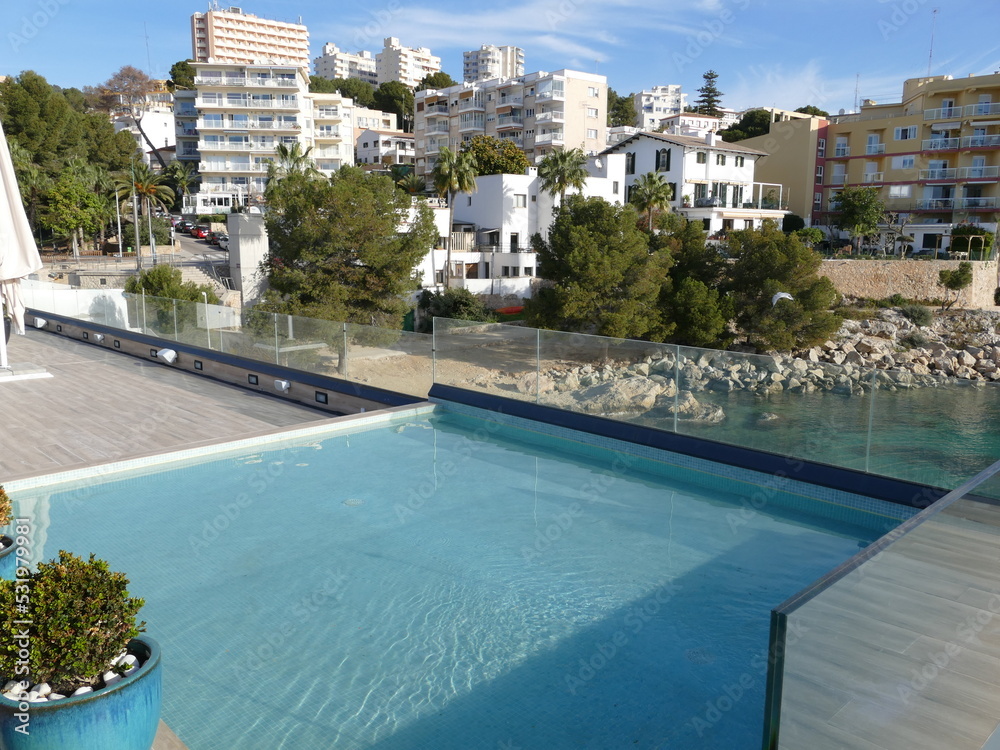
(946, 125)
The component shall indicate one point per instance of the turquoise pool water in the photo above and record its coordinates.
(444, 582)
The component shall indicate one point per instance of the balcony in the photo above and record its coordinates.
(937, 174)
(434, 146)
(838, 179)
(187, 130)
(247, 103)
(553, 138)
(939, 144)
(552, 116)
(471, 105)
(504, 99)
(873, 149)
(216, 146)
(935, 204)
(981, 141)
(983, 108)
(942, 113)
(437, 127)
(558, 95)
(841, 151)
(510, 121)
(231, 166)
(436, 110)
(872, 178)
(471, 124)
(978, 173)
(980, 203)
(328, 113)
(248, 125)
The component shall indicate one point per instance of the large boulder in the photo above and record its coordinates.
(690, 409)
(627, 396)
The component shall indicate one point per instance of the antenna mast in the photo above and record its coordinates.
(930, 55)
(857, 87)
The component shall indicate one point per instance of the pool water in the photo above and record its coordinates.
(444, 582)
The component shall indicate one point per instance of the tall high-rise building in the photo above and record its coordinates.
(336, 63)
(232, 36)
(490, 61)
(409, 65)
(538, 112)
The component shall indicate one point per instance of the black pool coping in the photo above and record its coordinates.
(898, 491)
(324, 382)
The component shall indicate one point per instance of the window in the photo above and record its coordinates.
(728, 225)
(906, 134)
(720, 160)
(529, 271)
(842, 148)
(817, 199)
(821, 147)
(819, 174)
(614, 187)
(748, 223)
(702, 157)
(591, 133)
(520, 200)
(591, 111)
(740, 161)
(663, 160)
(470, 201)
(903, 162)
(900, 191)
(505, 271)
(592, 91)
(630, 163)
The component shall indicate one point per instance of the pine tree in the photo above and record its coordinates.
(709, 96)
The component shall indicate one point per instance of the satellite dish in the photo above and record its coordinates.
(597, 163)
(842, 111)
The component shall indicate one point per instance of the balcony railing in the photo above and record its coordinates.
(871, 177)
(435, 146)
(285, 83)
(556, 94)
(473, 124)
(249, 125)
(838, 179)
(326, 133)
(934, 204)
(978, 173)
(519, 142)
(939, 144)
(873, 149)
(214, 146)
(979, 203)
(466, 105)
(982, 108)
(981, 141)
(187, 131)
(436, 110)
(553, 116)
(938, 174)
(231, 166)
(328, 113)
(550, 138)
(841, 151)
(247, 103)
(510, 121)
(942, 113)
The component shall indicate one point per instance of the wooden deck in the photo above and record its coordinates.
(903, 652)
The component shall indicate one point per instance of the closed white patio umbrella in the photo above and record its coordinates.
(18, 253)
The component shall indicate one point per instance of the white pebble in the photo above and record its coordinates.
(110, 678)
(42, 688)
(12, 696)
(56, 696)
(83, 690)
(127, 661)
(10, 686)
(130, 670)
(34, 697)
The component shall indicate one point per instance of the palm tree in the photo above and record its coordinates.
(292, 160)
(650, 192)
(561, 170)
(411, 183)
(184, 175)
(454, 173)
(151, 190)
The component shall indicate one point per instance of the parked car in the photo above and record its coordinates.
(208, 237)
(184, 226)
(200, 231)
(217, 237)
(224, 242)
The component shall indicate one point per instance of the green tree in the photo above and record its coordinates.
(337, 251)
(753, 123)
(954, 281)
(496, 155)
(181, 75)
(972, 239)
(183, 175)
(697, 314)
(453, 173)
(439, 80)
(792, 223)
(810, 236)
(396, 97)
(860, 211)
(361, 92)
(149, 188)
(321, 85)
(603, 279)
(809, 109)
(127, 93)
(168, 282)
(620, 109)
(709, 96)
(42, 121)
(458, 304)
(73, 210)
(411, 183)
(561, 170)
(651, 192)
(289, 161)
(767, 261)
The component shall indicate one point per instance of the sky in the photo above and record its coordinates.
(783, 53)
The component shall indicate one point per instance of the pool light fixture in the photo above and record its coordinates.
(282, 385)
(167, 355)
(41, 322)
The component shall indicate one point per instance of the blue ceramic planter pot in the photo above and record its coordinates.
(122, 717)
(8, 560)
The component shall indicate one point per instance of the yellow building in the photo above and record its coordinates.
(792, 146)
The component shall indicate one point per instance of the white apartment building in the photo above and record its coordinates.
(490, 61)
(336, 63)
(232, 36)
(538, 112)
(234, 120)
(373, 119)
(159, 127)
(658, 102)
(491, 240)
(409, 65)
(713, 180)
(384, 147)
(691, 123)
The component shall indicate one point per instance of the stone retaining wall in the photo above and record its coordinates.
(914, 279)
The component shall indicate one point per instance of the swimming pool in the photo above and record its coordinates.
(441, 581)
